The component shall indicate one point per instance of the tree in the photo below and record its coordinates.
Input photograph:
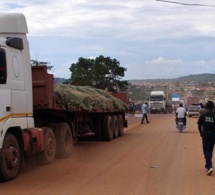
(101, 72)
(38, 63)
(81, 72)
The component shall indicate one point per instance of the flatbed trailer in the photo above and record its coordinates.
(53, 105)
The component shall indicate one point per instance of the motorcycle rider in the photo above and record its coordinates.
(181, 113)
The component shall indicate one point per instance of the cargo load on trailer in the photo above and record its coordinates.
(122, 96)
(87, 98)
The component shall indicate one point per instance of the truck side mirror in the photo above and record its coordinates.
(15, 42)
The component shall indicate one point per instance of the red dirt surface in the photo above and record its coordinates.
(151, 159)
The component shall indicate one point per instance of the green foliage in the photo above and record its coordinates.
(81, 72)
(39, 63)
(101, 72)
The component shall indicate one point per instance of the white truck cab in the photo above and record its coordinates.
(16, 109)
(15, 74)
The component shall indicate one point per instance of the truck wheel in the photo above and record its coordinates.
(64, 138)
(9, 158)
(107, 128)
(48, 155)
(121, 125)
(115, 126)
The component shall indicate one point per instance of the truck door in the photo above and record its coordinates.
(16, 83)
(5, 103)
(5, 93)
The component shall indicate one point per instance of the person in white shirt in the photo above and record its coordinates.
(181, 113)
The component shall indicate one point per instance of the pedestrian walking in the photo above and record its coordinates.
(145, 111)
(206, 127)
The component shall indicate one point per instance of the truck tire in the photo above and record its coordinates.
(48, 155)
(121, 125)
(107, 128)
(9, 158)
(115, 126)
(64, 138)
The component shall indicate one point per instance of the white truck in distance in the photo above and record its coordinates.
(160, 101)
(176, 99)
(175, 103)
(35, 118)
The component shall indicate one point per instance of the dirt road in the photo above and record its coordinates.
(151, 159)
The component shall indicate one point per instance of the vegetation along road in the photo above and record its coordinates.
(149, 158)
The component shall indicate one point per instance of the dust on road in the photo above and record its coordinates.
(149, 159)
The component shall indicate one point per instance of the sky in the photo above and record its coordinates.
(150, 38)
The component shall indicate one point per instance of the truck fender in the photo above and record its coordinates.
(33, 141)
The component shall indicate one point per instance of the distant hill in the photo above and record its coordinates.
(198, 78)
(59, 80)
(206, 77)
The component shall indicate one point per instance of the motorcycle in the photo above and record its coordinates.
(180, 124)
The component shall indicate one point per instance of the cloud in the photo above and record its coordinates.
(62, 71)
(151, 39)
(170, 68)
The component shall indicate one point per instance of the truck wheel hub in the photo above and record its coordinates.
(12, 156)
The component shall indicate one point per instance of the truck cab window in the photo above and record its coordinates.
(3, 67)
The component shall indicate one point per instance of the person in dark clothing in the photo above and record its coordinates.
(206, 127)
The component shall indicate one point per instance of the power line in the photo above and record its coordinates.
(188, 4)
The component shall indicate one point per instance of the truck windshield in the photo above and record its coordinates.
(3, 70)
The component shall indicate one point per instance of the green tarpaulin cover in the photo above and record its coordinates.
(86, 98)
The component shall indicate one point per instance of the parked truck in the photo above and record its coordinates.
(192, 100)
(176, 99)
(160, 100)
(41, 119)
(122, 96)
